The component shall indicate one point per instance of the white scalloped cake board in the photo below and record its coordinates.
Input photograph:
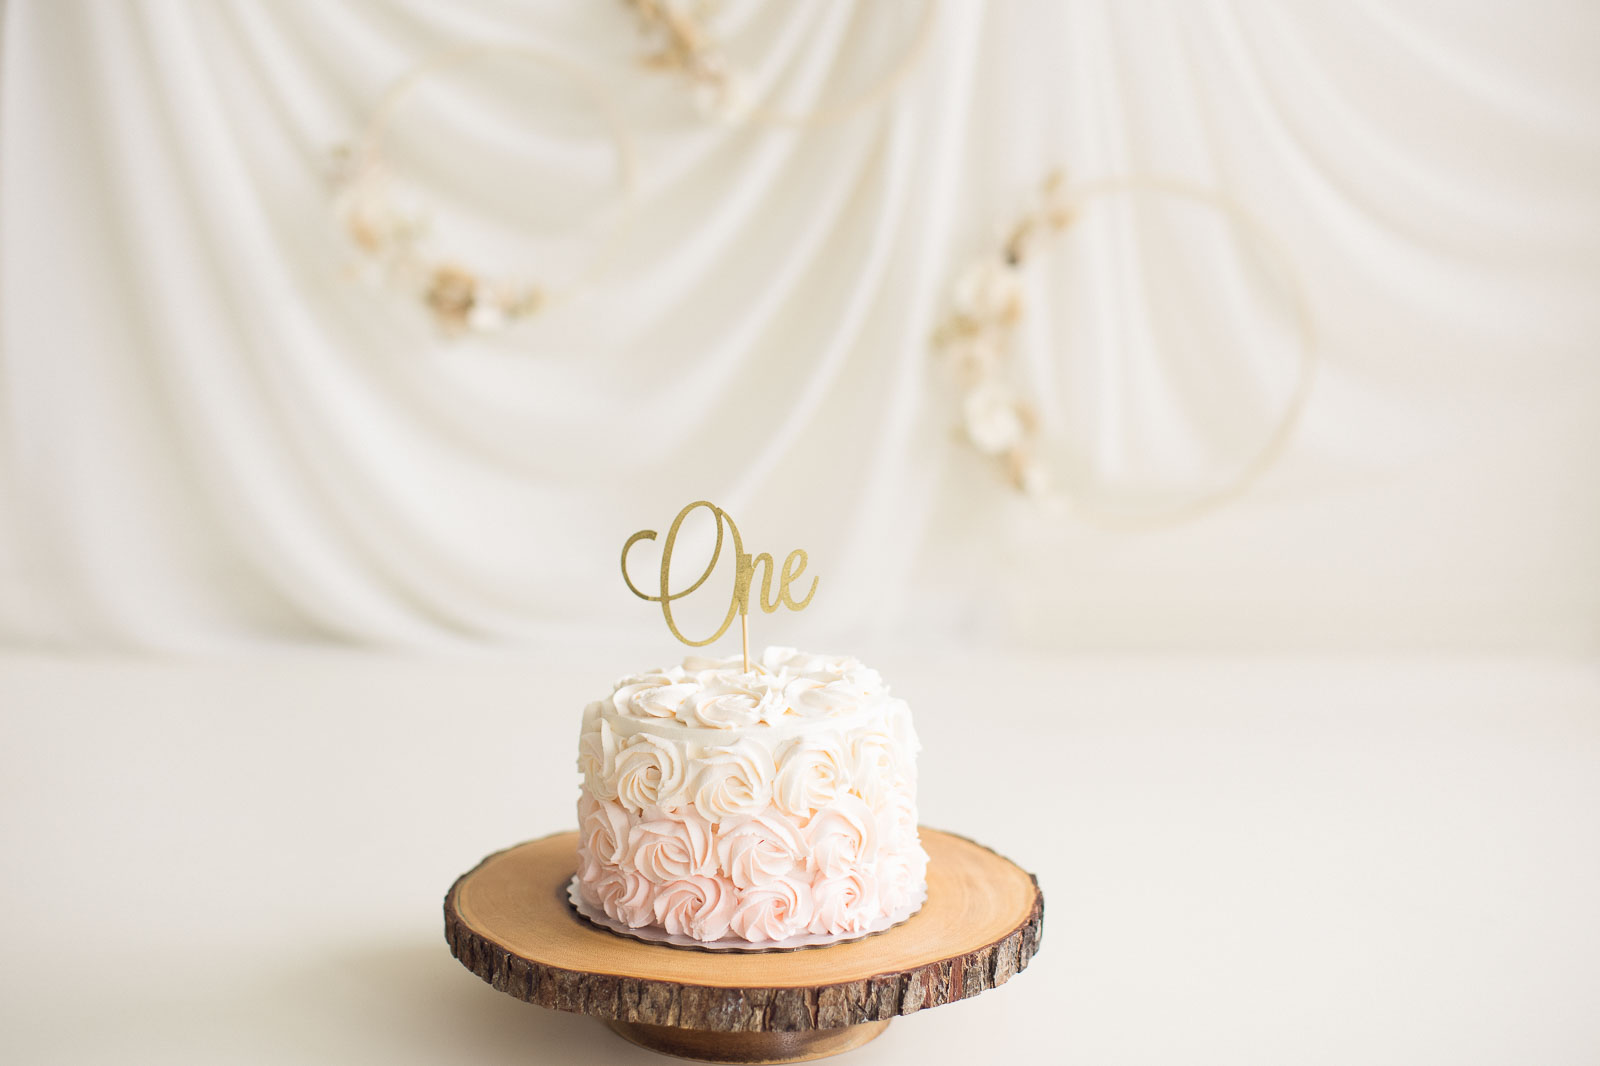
(806, 940)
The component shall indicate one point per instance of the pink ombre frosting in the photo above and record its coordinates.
(718, 804)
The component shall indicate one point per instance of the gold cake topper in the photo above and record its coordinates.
(794, 564)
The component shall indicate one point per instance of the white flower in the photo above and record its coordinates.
(992, 423)
(486, 316)
(989, 290)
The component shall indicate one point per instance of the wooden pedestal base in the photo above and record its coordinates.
(704, 1046)
(509, 922)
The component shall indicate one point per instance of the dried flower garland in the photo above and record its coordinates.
(391, 233)
(681, 44)
(987, 304)
(976, 337)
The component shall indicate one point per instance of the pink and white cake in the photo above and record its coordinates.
(774, 808)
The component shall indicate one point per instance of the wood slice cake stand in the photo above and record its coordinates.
(509, 922)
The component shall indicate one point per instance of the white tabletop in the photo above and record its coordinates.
(1266, 861)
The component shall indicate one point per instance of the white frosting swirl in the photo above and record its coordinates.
(812, 773)
(696, 906)
(727, 700)
(651, 772)
(842, 837)
(656, 694)
(758, 850)
(670, 849)
(899, 725)
(623, 894)
(900, 875)
(779, 907)
(603, 828)
(663, 701)
(846, 902)
(718, 694)
(812, 698)
(897, 818)
(597, 758)
(733, 781)
(874, 765)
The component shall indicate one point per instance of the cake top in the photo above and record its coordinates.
(784, 686)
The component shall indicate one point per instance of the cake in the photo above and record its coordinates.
(749, 809)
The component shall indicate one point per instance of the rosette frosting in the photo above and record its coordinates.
(718, 803)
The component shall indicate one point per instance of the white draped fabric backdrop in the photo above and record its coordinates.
(213, 435)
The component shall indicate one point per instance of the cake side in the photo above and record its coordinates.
(757, 806)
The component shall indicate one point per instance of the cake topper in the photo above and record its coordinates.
(794, 564)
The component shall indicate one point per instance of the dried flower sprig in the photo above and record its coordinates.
(681, 44)
(976, 338)
(391, 232)
(391, 237)
(987, 304)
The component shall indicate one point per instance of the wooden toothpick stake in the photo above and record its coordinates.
(794, 565)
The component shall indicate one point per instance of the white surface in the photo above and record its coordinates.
(1245, 861)
(208, 436)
